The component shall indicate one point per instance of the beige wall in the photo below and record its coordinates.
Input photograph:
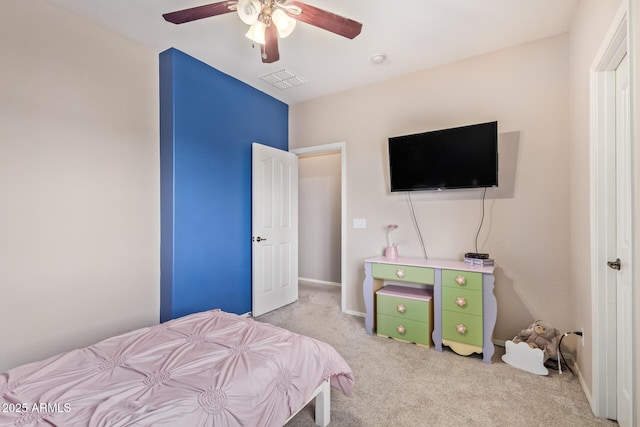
(79, 183)
(319, 217)
(527, 224)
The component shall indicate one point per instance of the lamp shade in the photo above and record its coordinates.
(256, 32)
(249, 10)
(283, 22)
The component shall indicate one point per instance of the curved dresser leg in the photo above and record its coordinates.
(367, 293)
(489, 316)
(436, 336)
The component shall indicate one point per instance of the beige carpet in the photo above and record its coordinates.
(399, 384)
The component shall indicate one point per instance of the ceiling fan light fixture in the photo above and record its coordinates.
(249, 11)
(256, 32)
(290, 9)
(284, 23)
(270, 20)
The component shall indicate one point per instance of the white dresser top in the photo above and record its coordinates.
(431, 263)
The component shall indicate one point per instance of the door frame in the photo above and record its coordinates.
(336, 147)
(603, 244)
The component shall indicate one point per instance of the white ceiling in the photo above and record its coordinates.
(414, 34)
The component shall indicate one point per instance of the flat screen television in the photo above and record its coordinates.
(461, 157)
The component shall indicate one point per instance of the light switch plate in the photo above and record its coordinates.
(359, 223)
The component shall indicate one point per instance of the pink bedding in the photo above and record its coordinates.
(206, 369)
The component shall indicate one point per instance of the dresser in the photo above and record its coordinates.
(464, 306)
(405, 314)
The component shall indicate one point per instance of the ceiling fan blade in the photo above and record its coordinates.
(326, 20)
(199, 12)
(269, 50)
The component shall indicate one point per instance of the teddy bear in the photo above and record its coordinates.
(540, 334)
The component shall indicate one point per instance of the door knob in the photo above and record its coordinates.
(614, 265)
(260, 239)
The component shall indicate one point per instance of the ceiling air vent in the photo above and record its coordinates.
(283, 79)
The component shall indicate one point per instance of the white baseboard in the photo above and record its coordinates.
(355, 313)
(319, 282)
(583, 384)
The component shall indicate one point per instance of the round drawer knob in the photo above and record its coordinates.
(461, 280)
(401, 329)
(401, 308)
(461, 329)
(400, 273)
(461, 302)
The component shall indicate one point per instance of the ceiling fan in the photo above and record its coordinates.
(270, 18)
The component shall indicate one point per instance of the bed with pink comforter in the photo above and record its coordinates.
(206, 369)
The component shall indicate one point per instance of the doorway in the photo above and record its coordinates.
(333, 150)
(612, 222)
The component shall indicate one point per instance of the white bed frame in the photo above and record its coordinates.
(323, 404)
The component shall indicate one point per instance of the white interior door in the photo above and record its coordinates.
(274, 219)
(624, 296)
(612, 225)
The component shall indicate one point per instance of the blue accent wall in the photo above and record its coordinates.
(208, 121)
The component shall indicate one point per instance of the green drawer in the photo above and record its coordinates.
(473, 325)
(462, 300)
(404, 308)
(417, 332)
(472, 280)
(403, 273)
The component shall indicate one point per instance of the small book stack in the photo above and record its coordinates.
(476, 259)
